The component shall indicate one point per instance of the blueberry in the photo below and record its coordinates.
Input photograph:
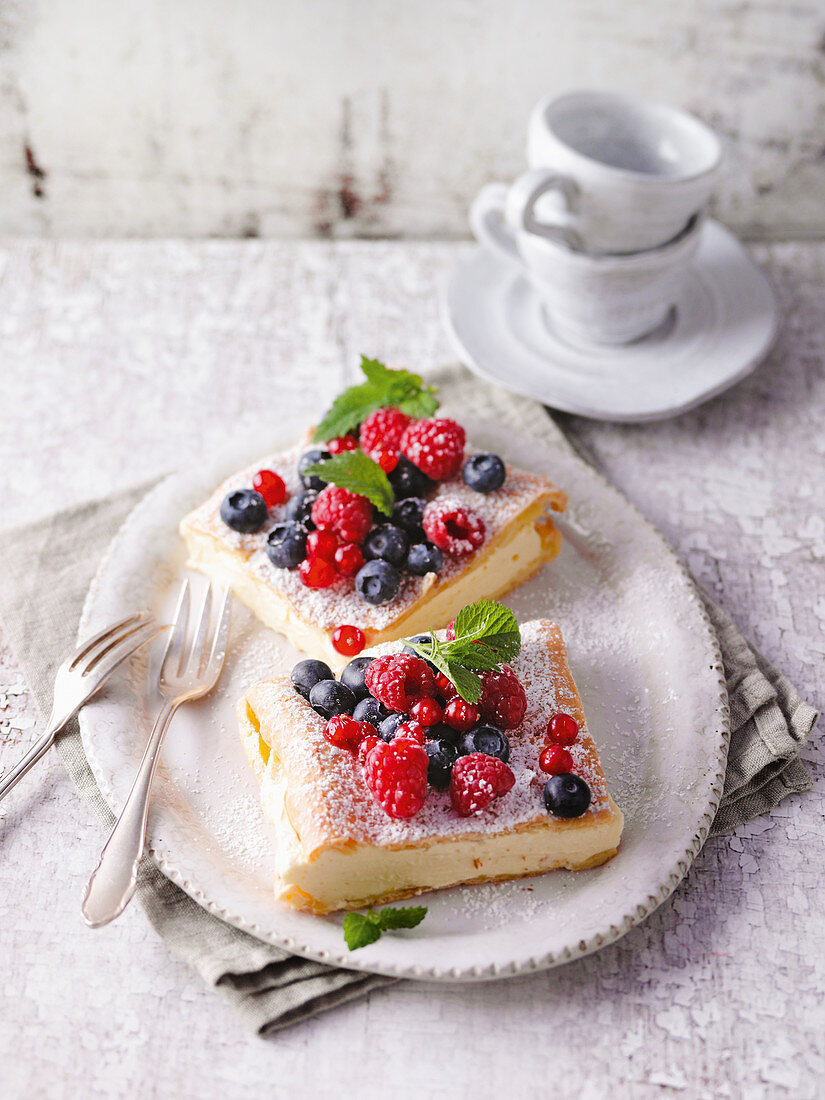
(370, 710)
(566, 795)
(388, 543)
(484, 473)
(286, 545)
(329, 698)
(377, 581)
(442, 756)
(353, 676)
(306, 674)
(386, 731)
(307, 459)
(442, 732)
(244, 510)
(423, 558)
(299, 508)
(408, 515)
(409, 649)
(487, 739)
(408, 481)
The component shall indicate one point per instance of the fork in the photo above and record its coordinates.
(80, 676)
(186, 673)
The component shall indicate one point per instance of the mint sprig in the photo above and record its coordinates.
(361, 929)
(383, 388)
(486, 634)
(359, 473)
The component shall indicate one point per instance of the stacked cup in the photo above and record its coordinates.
(607, 219)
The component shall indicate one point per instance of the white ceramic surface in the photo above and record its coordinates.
(723, 324)
(592, 299)
(624, 173)
(648, 670)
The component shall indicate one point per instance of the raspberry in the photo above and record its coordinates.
(270, 486)
(383, 429)
(412, 730)
(341, 444)
(396, 775)
(348, 559)
(348, 640)
(347, 514)
(562, 729)
(445, 687)
(555, 760)
(502, 701)
(317, 573)
(398, 679)
(450, 630)
(426, 711)
(452, 528)
(343, 732)
(476, 780)
(460, 715)
(369, 742)
(436, 447)
(322, 544)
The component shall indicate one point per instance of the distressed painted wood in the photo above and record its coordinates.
(119, 361)
(270, 118)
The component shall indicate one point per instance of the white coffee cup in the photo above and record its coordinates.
(590, 299)
(613, 173)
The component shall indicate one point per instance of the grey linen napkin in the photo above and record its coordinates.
(47, 569)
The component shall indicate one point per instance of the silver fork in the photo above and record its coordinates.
(186, 673)
(80, 676)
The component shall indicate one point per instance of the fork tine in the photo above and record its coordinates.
(197, 653)
(92, 660)
(173, 654)
(119, 651)
(89, 645)
(218, 652)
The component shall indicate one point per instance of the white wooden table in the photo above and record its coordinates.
(122, 360)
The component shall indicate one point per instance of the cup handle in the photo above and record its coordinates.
(488, 223)
(526, 192)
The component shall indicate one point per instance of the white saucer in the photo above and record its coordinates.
(722, 326)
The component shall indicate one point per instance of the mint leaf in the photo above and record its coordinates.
(492, 623)
(346, 412)
(357, 472)
(384, 387)
(362, 929)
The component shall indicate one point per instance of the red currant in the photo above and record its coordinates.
(412, 731)
(270, 486)
(460, 715)
(426, 711)
(349, 559)
(322, 544)
(317, 573)
(348, 640)
(342, 443)
(387, 460)
(343, 732)
(562, 729)
(369, 742)
(555, 760)
(444, 686)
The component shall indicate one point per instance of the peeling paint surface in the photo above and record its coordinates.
(122, 360)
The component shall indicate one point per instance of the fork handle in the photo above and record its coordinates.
(113, 881)
(38, 749)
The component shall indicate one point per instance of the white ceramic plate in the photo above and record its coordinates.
(723, 325)
(644, 657)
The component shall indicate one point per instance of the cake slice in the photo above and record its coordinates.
(338, 847)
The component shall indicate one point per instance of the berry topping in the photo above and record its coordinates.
(348, 559)
(398, 679)
(369, 742)
(486, 739)
(383, 429)
(387, 460)
(453, 528)
(388, 543)
(484, 473)
(445, 687)
(270, 486)
(461, 715)
(476, 780)
(424, 558)
(317, 573)
(502, 698)
(566, 795)
(286, 545)
(412, 730)
(322, 544)
(442, 756)
(555, 760)
(345, 513)
(348, 639)
(409, 514)
(377, 582)
(343, 732)
(307, 459)
(342, 443)
(244, 510)
(562, 729)
(369, 709)
(436, 446)
(396, 776)
(299, 508)
(329, 698)
(353, 676)
(426, 711)
(389, 725)
(449, 631)
(306, 674)
(408, 481)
